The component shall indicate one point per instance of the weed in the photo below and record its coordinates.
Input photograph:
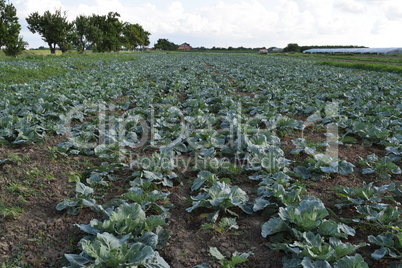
(10, 212)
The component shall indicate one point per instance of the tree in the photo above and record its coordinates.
(292, 47)
(106, 36)
(54, 29)
(82, 27)
(14, 48)
(134, 35)
(165, 44)
(10, 30)
(94, 35)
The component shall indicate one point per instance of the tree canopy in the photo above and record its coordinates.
(165, 44)
(82, 27)
(10, 30)
(54, 29)
(104, 33)
(134, 36)
(109, 31)
(292, 47)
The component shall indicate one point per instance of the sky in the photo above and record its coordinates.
(247, 23)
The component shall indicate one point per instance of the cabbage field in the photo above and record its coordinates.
(199, 160)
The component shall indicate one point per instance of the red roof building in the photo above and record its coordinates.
(184, 47)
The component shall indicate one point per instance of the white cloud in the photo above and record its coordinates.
(394, 12)
(350, 6)
(248, 22)
(26, 7)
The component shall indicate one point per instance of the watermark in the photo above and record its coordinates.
(226, 140)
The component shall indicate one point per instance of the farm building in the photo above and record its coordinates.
(385, 51)
(184, 47)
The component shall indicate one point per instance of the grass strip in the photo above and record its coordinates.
(24, 69)
(364, 66)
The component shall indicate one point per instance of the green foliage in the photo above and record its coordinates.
(224, 225)
(321, 165)
(165, 44)
(202, 178)
(83, 30)
(390, 245)
(316, 240)
(302, 147)
(127, 219)
(105, 250)
(10, 30)
(106, 36)
(368, 194)
(394, 148)
(383, 217)
(363, 66)
(314, 247)
(53, 27)
(370, 132)
(355, 261)
(10, 212)
(307, 214)
(153, 200)
(262, 153)
(134, 36)
(108, 33)
(220, 197)
(237, 257)
(373, 213)
(125, 237)
(381, 167)
(292, 47)
(277, 190)
(157, 169)
(83, 198)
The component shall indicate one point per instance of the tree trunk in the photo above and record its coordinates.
(52, 49)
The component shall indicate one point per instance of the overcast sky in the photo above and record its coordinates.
(248, 23)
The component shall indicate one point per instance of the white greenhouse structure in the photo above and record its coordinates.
(384, 51)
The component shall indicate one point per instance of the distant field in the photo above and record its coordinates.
(382, 63)
(34, 52)
(385, 59)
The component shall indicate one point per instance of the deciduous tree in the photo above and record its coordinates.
(82, 27)
(165, 44)
(134, 35)
(54, 29)
(292, 47)
(10, 30)
(106, 36)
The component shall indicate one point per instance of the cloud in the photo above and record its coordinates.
(350, 6)
(26, 7)
(394, 12)
(246, 22)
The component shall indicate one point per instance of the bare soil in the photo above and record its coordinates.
(40, 235)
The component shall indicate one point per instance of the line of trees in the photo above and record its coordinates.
(103, 33)
(10, 29)
(294, 47)
(165, 44)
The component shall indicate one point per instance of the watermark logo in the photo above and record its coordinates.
(221, 140)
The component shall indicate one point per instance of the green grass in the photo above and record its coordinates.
(364, 66)
(11, 212)
(21, 76)
(37, 52)
(368, 58)
(19, 70)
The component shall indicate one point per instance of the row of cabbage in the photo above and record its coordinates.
(222, 116)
